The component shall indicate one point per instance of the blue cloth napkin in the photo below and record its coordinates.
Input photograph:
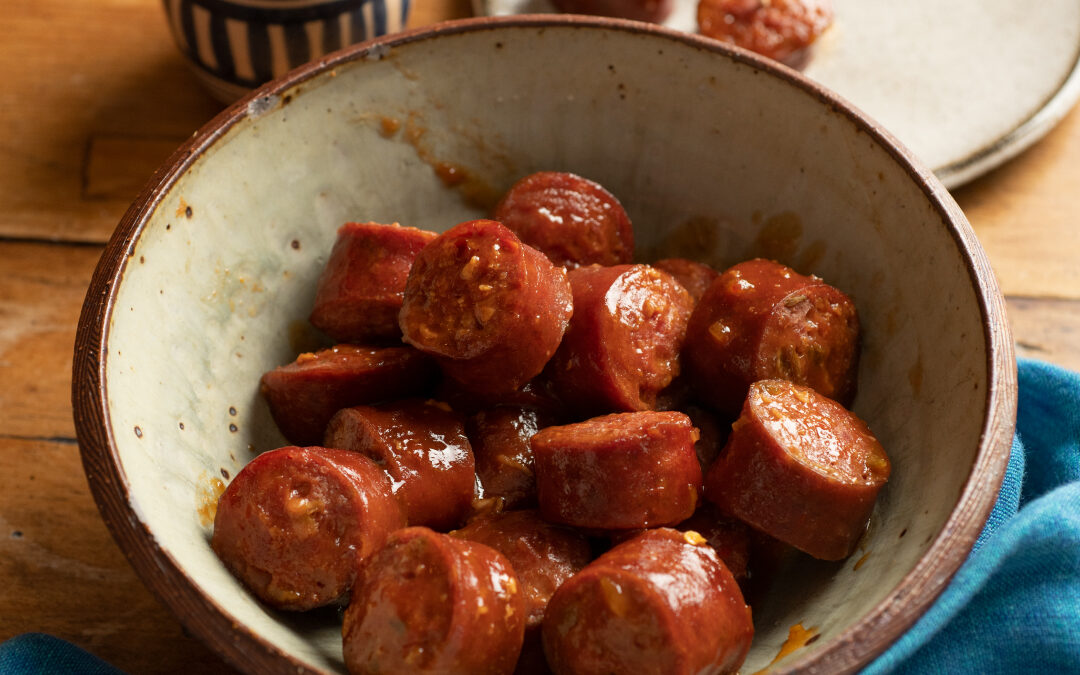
(40, 654)
(1013, 607)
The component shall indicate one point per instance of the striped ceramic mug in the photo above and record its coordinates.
(236, 45)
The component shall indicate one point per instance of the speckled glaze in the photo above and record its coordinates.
(236, 45)
(716, 155)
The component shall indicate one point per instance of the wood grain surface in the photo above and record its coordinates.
(95, 97)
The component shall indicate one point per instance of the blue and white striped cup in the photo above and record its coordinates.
(236, 45)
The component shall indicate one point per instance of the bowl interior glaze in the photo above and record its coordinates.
(715, 154)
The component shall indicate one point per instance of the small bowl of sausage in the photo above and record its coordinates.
(544, 342)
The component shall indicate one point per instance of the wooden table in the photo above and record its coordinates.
(95, 97)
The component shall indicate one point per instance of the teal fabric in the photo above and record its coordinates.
(40, 654)
(1014, 606)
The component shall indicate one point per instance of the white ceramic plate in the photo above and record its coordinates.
(965, 84)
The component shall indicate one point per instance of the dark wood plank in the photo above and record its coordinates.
(63, 574)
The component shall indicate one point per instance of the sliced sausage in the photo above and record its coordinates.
(542, 554)
(762, 320)
(536, 394)
(305, 394)
(779, 29)
(573, 220)
(695, 277)
(618, 472)
(730, 538)
(422, 445)
(360, 291)
(490, 309)
(504, 461)
(623, 343)
(801, 468)
(662, 602)
(430, 603)
(296, 525)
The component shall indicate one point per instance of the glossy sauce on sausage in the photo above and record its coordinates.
(542, 554)
(490, 309)
(431, 603)
(297, 525)
(662, 602)
(362, 286)
(423, 447)
(572, 220)
(622, 346)
(618, 472)
(760, 320)
(306, 393)
(801, 468)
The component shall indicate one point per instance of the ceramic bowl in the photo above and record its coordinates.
(236, 45)
(715, 154)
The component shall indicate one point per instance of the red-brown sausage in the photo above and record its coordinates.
(779, 29)
(623, 343)
(574, 221)
(653, 11)
(801, 468)
(730, 538)
(504, 461)
(618, 472)
(543, 555)
(360, 291)
(305, 394)
(296, 525)
(662, 602)
(430, 603)
(695, 277)
(490, 309)
(536, 394)
(422, 445)
(761, 320)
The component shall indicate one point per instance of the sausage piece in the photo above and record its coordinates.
(779, 29)
(543, 555)
(490, 309)
(422, 445)
(762, 320)
(573, 220)
(536, 394)
(296, 525)
(618, 472)
(360, 291)
(305, 394)
(695, 277)
(623, 343)
(662, 602)
(430, 603)
(504, 461)
(801, 468)
(730, 538)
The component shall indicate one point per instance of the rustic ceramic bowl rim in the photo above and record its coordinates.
(205, 618)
